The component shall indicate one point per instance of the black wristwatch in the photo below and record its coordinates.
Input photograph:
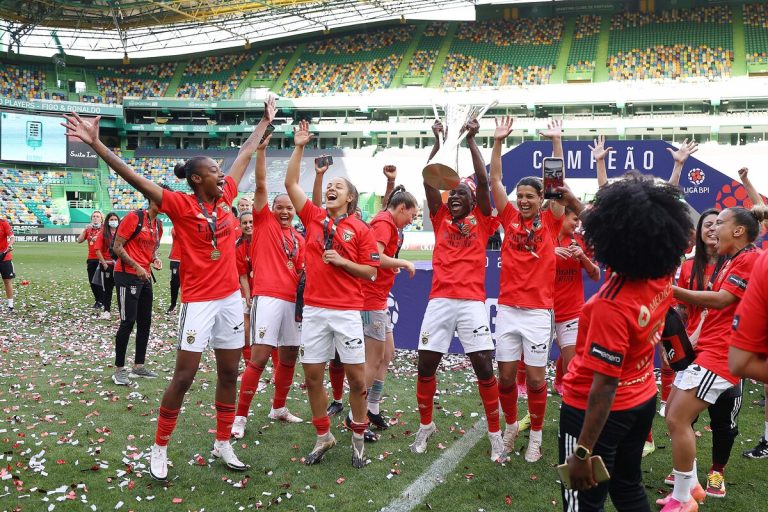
(582, 452)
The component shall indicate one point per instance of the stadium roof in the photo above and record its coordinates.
(144, 28)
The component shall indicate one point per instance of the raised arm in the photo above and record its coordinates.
(554, 132)
(252, 143)
(317, 186)
(390, 171)
(300, 139)
(87, 130)
(503, 129)
(260, 195)
(81, 237)
(754, 196)
(434, 199)
(482, 194)
(680, 155)
(599, 153)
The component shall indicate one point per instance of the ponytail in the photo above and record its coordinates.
(184, 170)
(400, 196)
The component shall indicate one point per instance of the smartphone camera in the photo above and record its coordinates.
(324, 161)
(554, 177)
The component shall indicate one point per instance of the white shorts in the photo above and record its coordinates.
(273, 322)
(710, 385)
(246, 309)
(446, 316)
(326, 331)
(566, 332)
(215, 322)
(523, 330)
(377, 324)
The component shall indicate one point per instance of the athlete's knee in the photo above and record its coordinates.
(181, 382)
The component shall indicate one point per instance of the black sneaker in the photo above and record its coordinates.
(98, 305)
(334, 408)
(758, 452)
(378, 421)
(170, 310)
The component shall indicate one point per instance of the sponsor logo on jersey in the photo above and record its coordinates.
(608, 356)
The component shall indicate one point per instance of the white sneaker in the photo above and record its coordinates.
(663, 409)
(282, 414)
(238, 427)
(533, 452)
(322, 445)
(423, 434)
(223, 450)
(510, 436)
(498, 450)
(158, 462)
(105, 315)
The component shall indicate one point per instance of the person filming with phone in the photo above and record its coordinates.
(640, 230)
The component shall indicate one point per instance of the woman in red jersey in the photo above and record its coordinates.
(279, 249)
(105, 252)
(92, 233)
(640, 230)
(174, 257)
(6, 259)
(212, 311)
(701, 384)
(524, 319)
(245, 273)
(457, 298)
(340, 254)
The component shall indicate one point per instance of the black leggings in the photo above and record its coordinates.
(134, 297)
(96, 290)
(108, 278)
(723, 419)
(175, 283)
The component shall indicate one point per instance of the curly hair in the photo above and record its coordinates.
(638, 228)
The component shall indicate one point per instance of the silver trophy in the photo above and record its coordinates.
(442, 171)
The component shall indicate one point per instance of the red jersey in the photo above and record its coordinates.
(279, 253)
(92, 236)
(175, 254)
(693, 313)
(749, 323)
(569, 288)
(329, 286)
(619, 328)
(712, 346)
(5, 233)
(243, 258)
(105, 244)
(202, 277)
(528, 265)
(385, 232)
(458, 262)
(143, 246)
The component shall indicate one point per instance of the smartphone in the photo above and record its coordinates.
(554, 177)
(599, 471)
(267, 133)
(34, 134)
(324, 161)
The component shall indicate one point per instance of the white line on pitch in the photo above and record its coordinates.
(435, 474)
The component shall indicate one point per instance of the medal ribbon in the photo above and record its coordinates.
(530, 233)
(292, 252)
(328, 234)
(211, 219)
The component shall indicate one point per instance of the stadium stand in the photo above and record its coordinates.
(215, 76)
(676, 44)
(756, 33)
(581, 57)
(22, 82)
(159, 170)
(32, 189)
(357, 63)
(503, 53)
(424, 58)
(117, 82)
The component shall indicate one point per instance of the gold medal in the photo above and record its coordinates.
(290, 264)
(215, 254)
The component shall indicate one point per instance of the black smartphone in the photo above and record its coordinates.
(324, 161)
(554, 177)
(267, 133)
(329, 159)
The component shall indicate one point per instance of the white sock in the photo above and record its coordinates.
(374, 407)
(695, 474)
(684, 482)
(765, 433)
(513, 425)
(535, 436)
(10, 303)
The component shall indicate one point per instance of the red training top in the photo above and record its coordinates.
(569, 287)
(329, 286)
(522, 245)
(749, 331)
(712, 346)
(276, 275)
(143, 246)
(5, 233)
(105, 244)
(458, 262)
(385, 232)
(619, 328)
(175, 254)
(203, 278)
(92, 236)
(692, 312)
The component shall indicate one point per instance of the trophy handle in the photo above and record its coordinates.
(437, 118)
(478, 116)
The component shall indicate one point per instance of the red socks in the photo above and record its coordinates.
(559, 371)
(225, 416)
(425, 395)
(489, 394)
(359, 428)
(521, 373)
(537, 406)
(322, 425)
(246, 353)
(667, 378)
(649, 439)
(508, 398)
(248, 387)
(283, 381)
(337, 380)
(275, 358)
(166, 423)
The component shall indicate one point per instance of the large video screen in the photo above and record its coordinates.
(32, 138)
